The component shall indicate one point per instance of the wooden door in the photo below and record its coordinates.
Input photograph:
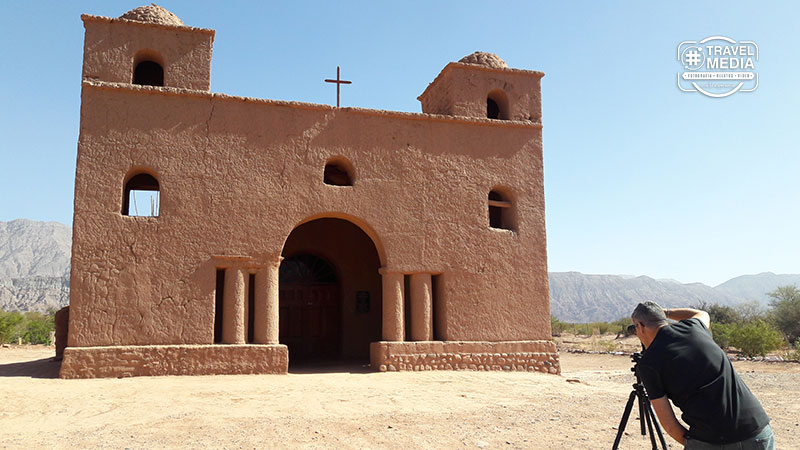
(309, 309)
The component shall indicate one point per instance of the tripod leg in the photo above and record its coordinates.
(642, 412)
(650, 420)
(624, 422)
(658, 428)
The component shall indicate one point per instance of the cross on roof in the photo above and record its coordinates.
(338, 82)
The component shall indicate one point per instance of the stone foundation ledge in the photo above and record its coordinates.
(529, 356)
(157, 360)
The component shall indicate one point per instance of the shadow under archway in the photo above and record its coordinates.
(330, 314)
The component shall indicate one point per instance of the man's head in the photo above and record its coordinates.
(648, 317)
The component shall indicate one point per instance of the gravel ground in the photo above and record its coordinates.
(347, 407)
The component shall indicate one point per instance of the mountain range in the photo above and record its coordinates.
(35, 264)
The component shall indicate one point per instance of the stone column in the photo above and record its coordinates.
(233, 327)
(393, 286)
(267, 304)
(421, 307)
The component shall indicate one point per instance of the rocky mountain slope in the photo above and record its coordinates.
(756, 287)
(578, 297)
(34, 265)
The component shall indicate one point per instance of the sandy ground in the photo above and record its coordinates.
(347, 407)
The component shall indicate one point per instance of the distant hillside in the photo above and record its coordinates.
(34, 294)
(577, 297)
(756, 287)
(29, 248)
(34, 265)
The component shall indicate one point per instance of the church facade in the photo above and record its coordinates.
(216, 234)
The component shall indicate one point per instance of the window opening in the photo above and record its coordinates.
(497, 105)
(337, 175)
(219, 295)
(492, 110)
(499, 211)
(148, 73)
(142, 196)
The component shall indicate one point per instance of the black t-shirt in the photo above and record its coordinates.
(685, 364)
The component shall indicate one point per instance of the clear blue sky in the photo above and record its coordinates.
(640, 178)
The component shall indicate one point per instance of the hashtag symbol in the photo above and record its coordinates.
(692, 58)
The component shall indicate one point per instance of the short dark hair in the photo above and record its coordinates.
(651, 314)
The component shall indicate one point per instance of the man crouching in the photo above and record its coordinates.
(682, 363)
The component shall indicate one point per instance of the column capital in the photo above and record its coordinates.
(387, 271)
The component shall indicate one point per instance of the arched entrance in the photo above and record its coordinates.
(330, 292)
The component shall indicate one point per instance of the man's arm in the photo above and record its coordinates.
(688, 313)
(668, 420)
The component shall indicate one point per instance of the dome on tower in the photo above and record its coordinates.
(484, 59)
(152, 14)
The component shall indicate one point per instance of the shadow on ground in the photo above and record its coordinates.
(40, 368)
(336, 366)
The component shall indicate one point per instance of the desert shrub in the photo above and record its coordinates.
(755, 338)
(792, 352)
(749, 311)
(556, 326)
(584, 329)
(602, 327)
(722, 333)
(720, 313)
(785, 312)
(606, 346)
(37, 328)
(620, 325)
(10, 326)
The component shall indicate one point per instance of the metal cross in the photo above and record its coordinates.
(338, 82)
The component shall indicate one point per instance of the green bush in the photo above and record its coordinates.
(10, 326)
(720, 313)
(755, 338)
(37, 328)
(620, 325)
(556, 326)
(722, 333)
(786, 311)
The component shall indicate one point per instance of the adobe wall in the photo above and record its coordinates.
(525, 356)
(156, 360)
(237, 175)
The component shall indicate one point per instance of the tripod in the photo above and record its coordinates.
(646, 413)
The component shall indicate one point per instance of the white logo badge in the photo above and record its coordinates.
(718, 66)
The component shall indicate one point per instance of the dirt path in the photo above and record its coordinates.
(346, 410)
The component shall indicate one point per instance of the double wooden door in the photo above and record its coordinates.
(310, 320)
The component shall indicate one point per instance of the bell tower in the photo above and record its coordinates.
(481, 85)
(147, 46)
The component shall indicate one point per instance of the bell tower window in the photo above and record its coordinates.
(148, 73)
(497, 105)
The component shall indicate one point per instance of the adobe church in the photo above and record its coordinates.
(278, 233)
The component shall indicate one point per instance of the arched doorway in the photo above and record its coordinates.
(330, 292)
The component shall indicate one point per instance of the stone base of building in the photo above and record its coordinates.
(529, 356)
(156, 360)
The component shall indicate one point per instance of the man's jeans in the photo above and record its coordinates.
(764, 440)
